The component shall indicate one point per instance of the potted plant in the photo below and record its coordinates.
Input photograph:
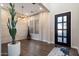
(13, 46)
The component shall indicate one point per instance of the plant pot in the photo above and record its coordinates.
(14, 49)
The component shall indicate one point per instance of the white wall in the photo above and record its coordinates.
(43, 27)
(0, 32)
(21, 28)
(32, 19)
(0, 43)
(57, 8)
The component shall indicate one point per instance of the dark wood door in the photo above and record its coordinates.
(63, 29)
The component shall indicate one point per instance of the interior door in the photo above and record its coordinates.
(63, 29)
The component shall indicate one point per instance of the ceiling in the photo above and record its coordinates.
(29, 8)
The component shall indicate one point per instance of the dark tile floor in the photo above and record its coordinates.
(35, 48)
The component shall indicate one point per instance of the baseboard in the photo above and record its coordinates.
(49, 42)
(36, 39)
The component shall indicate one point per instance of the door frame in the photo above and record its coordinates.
(68, 29)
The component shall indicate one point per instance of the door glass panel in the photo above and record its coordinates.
(59, 32)
(64, 40)
(64, 32)
(64, 25)
(64, 18)
(59, 39)
(59, 26)
(59, 19)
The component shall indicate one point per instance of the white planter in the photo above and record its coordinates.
(14, 49)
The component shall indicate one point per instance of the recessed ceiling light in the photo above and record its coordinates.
(40, 8)
(1, 5)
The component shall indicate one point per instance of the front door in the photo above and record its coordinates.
(63, 29)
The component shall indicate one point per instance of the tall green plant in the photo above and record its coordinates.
(12, 23)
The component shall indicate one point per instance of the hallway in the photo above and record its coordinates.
(36, 48)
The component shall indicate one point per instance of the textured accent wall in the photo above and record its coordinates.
(21, 27)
